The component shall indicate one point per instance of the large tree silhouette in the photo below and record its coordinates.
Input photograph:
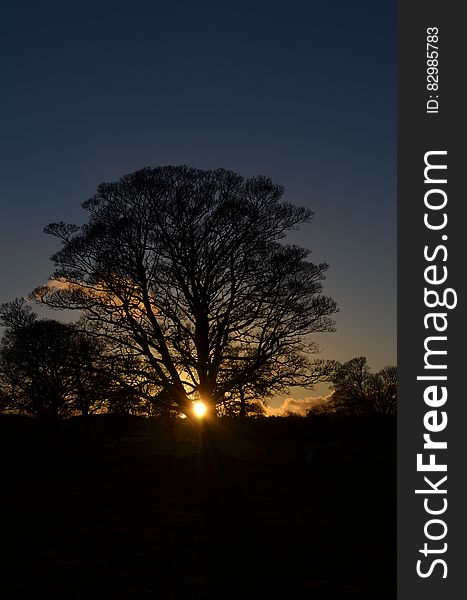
(187, 270)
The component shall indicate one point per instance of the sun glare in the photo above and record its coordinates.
(199, 408)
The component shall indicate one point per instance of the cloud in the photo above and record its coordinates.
(297, 406)
(130, 293)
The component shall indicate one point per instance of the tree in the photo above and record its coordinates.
(48, 368)
(358, 391)
(243, 401)
(187, 271)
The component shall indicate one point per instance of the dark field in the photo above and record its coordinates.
(291, 508)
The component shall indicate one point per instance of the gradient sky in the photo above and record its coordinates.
(304, 92)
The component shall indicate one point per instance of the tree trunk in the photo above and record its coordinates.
(242, 404)
(85, 420)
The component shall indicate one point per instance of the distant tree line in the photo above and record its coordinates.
(54, 370)
(358, 391)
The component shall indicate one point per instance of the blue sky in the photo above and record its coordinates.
(301, 91)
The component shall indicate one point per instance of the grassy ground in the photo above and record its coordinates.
(131, 509)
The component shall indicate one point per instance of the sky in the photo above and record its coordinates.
(301, 91)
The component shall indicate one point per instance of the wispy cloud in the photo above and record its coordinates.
(296, 406)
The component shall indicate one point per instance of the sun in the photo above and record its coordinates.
(199, 408)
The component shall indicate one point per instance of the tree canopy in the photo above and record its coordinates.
(358, 391)
(188, 271)
(49, 369)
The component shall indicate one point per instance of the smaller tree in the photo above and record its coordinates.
(243, 401)
(358, 391)
(48, 369)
